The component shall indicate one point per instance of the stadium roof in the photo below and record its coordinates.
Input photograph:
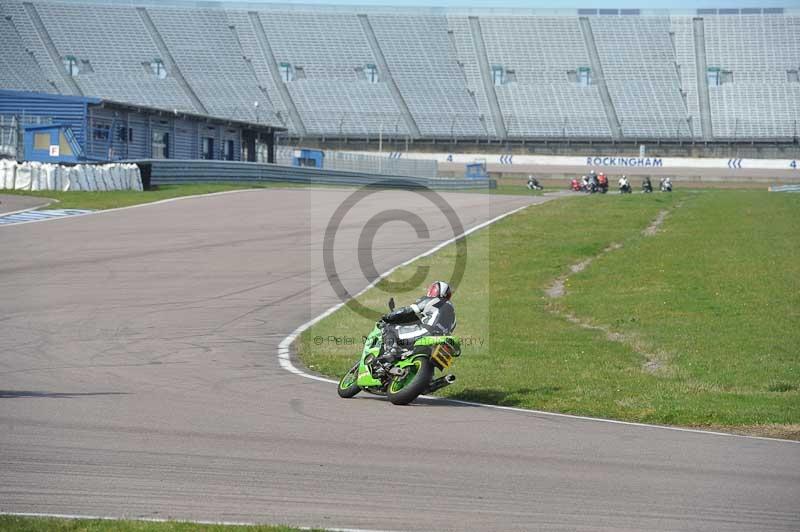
(445, 10)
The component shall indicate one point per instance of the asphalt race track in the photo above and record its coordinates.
(139, 378)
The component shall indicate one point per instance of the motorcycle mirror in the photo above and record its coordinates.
(391, 303)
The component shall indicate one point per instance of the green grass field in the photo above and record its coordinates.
(693, 326)
(37, 524)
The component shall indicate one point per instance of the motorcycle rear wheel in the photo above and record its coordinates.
(347, 385)
(403, 390)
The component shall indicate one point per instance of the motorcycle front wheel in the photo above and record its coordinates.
(347, 385)
(403, 390)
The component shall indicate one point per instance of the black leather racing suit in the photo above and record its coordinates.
(429, 316)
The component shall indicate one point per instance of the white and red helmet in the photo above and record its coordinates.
(441, 290)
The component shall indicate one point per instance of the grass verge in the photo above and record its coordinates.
(14, 523)
(693, 326)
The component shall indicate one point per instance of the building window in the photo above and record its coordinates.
(229, 150)
(101, 132)
(717, 76)
(208, 148)
(498, 75)
(158, 69)
(125, 134)
(160, 146)
(584, 76)
(41, 141)
(287, 72)
(713, 77)
(371, 73)
(71, 65)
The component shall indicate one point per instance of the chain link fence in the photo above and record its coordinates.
(9, 137)
(391, 164)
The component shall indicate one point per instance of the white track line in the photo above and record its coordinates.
(284, 356)
(164, 520)
(2, 214)
(103, 211)
(284, 348)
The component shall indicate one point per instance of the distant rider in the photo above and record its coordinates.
(431, 315)
(624, 184)
(533, 183)
(647, 186)
(602, 182)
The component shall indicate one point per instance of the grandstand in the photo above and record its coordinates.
(434, 75)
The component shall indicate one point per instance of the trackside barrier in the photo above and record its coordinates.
(367, 163)
(86, 177)
(170, 172)
(785, 188)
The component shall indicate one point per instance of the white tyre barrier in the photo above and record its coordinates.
(23, 181)
(81, 177)
(8, 174)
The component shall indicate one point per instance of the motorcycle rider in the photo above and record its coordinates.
(647, 186)
(533, 183)
(432, 314)
(602, 182)
(666, 186)
(624, 185)
(593, 182)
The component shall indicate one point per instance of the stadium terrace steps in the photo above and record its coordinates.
(600, 80)
(44, 37)
(701, 85)
(18, 69)
(486, 78)
(383, 65)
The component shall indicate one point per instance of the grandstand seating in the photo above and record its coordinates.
(758, 50)
(212, 61)
(423, 63)
(120, 65)
(18, 68)
(639, 66)
(334, 96)
(432, 76)
(543, 102)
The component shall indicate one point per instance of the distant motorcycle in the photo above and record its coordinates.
(666, 185)
(602, 184)
(647, 186)
(624, 186)
(533, 184)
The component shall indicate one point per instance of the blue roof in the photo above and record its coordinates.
(44, 96)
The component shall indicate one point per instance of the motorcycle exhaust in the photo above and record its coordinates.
(441, 382)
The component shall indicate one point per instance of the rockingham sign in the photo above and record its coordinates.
(636, 162)
(506, 163)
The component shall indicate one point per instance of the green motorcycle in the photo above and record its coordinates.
(410, 376)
